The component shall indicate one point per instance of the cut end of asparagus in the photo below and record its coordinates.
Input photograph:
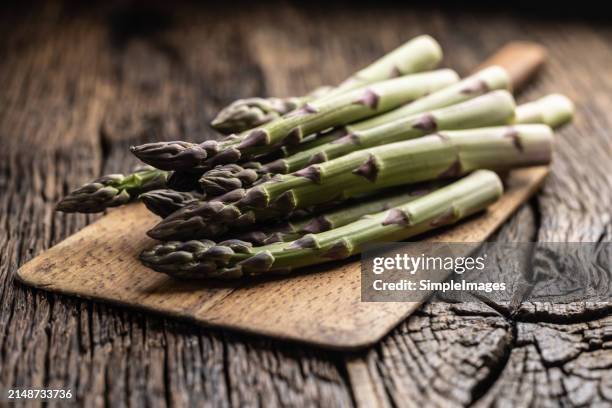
(419, 54)
(554, 110)
(494, 77)
(435, 50)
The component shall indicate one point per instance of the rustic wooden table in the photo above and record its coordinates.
(78, 86)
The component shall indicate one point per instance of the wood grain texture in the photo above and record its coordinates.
(80, 85)
(320, 306)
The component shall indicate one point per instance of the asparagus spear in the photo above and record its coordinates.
(422, 53)
(483, 81)
(245, 114)
(480, 83)
(419, 54)
(248, 113)
(438, 156)
(552, 110)
(294, 229)
(494, 108)
(233, 259)
(112, 190)
(228, 177)
(164, 202)
(313, 117)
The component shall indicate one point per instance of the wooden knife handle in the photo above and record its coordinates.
(521, 59)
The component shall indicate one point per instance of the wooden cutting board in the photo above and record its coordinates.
(321, 305)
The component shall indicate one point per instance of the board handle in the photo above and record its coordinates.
(521, 59)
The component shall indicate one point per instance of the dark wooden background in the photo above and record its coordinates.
(78, 85)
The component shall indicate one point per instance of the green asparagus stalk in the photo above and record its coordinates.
(294, 229)
(439, 156)
(112, 190)
(483, 81)
(554, 110)
(164, 202)
(311, 118)
(419, 54)
(489, 79)
(233, 259)
(494, 108)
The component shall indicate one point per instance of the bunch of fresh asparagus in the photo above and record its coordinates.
(395, 150)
